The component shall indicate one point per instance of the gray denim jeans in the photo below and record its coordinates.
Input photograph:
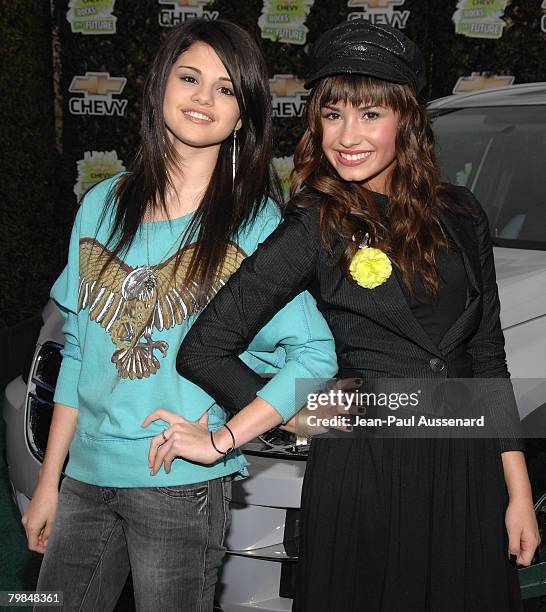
(171, 538)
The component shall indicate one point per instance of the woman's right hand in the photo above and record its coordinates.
(39, 516)
(337, 406)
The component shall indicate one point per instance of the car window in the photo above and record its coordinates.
(500, 154)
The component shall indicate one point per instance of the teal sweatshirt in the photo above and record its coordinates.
(123, 327)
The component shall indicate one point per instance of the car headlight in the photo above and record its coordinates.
(39, 406)
(47, 365)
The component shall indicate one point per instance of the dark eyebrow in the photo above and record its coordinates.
(199, 72)
(360, 108)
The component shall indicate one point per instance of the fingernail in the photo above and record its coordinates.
(512, 559)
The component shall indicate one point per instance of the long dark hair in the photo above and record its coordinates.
(227, 204)
(415, 191)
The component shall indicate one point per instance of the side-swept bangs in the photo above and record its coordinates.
(358, 91)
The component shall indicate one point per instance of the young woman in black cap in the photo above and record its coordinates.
(401, 265)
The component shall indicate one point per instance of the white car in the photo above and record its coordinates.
(494, 142)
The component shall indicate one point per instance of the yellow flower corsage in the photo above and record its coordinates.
(370, 267)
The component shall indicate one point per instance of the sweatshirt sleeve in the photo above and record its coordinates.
(65, 294)
(282, 267)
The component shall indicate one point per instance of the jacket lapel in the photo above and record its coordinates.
(461, 231)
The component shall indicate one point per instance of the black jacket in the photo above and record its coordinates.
(375, 332)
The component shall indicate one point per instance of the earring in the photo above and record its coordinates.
(234, 157)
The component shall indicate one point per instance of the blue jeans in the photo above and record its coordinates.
(171, 538)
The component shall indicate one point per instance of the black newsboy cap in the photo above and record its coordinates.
(360, 47)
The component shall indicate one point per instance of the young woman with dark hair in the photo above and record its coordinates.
(148, 250)
(401, 265)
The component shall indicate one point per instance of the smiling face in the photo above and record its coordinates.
(199, 107)
(360, 142)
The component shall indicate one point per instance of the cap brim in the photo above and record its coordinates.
(361, 67)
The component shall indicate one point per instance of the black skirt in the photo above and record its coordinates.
(413, 525)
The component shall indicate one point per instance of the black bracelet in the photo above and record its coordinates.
(231, 448)
(215, 447)
(233, 443)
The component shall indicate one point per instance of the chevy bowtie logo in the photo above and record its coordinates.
(286, 85)
(191, 2)
(380, 12)
(478, 81)
(97, 88)
(375, 3)
(97, 84)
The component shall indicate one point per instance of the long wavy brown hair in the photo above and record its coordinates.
(410, 233)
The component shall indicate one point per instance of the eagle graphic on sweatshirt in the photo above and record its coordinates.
(130, 303)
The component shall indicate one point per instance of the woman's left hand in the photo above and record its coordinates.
(523, 533)
(183, 438)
